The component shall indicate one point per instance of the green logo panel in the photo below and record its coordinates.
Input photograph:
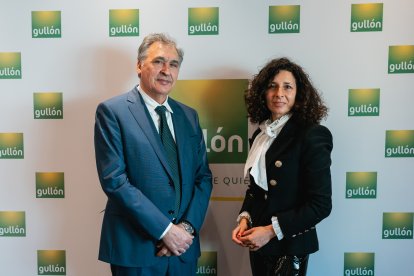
(223, 117)
(400, 59)
(284, 19)
(397, 226)
(361, 185)
(124, 22)
(399, 143)
(203, 21)
(10, 65)
(207, 263)
(366, 17)
(51, 262)
(359, 263)
(48, 105)
(50, 185)
(12, 224)
(11, 146)
(364, 102)
(46, 24)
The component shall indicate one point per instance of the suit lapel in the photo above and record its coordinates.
(144, 120)
(282, 141)
(180, 130)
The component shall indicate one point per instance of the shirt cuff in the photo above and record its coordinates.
(277, 229)
(166, 230)
(245, 215)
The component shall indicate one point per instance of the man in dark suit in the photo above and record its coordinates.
(153, 168)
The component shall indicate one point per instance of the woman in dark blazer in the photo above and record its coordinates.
(289, 168)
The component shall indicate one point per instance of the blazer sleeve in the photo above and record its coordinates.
(111, 167)
(197, 209)
(315, 177)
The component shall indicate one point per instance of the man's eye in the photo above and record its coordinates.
(174, 65)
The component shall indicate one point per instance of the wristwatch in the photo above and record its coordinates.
(187, 227)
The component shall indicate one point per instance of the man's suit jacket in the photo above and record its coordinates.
(134, 174)
(299, 188)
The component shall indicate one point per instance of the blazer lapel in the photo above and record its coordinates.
(144, 120)
(282, 141)
(180, 131)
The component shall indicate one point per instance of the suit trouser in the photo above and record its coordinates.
(287, 265)
(167, 266)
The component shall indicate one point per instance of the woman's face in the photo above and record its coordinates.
(281, 93)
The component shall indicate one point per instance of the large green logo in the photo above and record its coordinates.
(11, 146)
(10, 65)
(46, 24)
(50, 185)
(223, 117)
(48, 105)
(364, 102)
(359, 264)
(51, 262)
(366, 17)
(397, 226)
(399, 143)
(400, 59)
(12, 224)
(284, 19)
(124, 22)
(203, 21)
(361, 185)
(207, 263)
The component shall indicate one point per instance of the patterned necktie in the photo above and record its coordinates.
(171, 150)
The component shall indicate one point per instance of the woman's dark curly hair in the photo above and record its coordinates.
(309, 107)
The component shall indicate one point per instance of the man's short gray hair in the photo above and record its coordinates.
(158, 37)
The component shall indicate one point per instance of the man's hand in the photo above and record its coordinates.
(175, 242)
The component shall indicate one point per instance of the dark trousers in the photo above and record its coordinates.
(167, 266)
(262, 265)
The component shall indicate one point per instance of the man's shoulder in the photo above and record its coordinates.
(121, 98)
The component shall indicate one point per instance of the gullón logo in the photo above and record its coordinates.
(400, 59)
(284, 19)
(11, 146)
(50, 185)
(399, 143)
(359, 264)
(397, 226)
(51, 262)
(124, 22)
(366, 17)
(224, 128)
(361, 185)
(10, 65)
(48, 105)
(207, 263)
(12, 224)
(203, 21)
(364, 102)
(46, 24)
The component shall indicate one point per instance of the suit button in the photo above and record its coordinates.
(171, 212)
(278, 164)
(265, 196)
(273, 182)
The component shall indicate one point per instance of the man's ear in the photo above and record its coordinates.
(138, 68)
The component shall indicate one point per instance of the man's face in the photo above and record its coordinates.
(159, 70)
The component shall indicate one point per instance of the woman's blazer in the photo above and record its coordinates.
(299, 188)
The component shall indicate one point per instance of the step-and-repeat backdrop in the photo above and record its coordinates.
(59, 59)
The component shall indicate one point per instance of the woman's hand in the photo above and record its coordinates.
(239, 231)
(257, 237)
